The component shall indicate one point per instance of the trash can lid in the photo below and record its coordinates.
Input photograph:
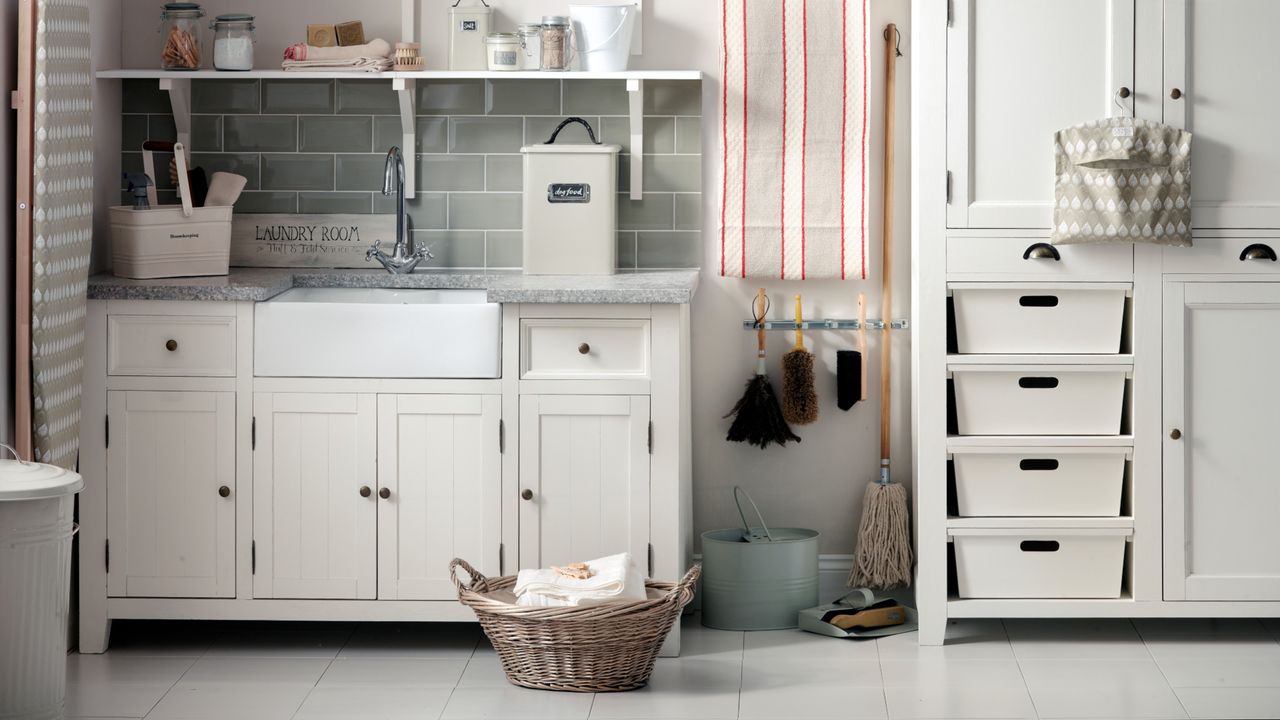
(22, 480)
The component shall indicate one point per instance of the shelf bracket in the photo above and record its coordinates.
(635, 96)
(407, 90)
(180, 100)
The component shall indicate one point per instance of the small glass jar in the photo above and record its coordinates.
(503, 50)
(233, 42)
(557, 46)
(180, 26)
(531, 43)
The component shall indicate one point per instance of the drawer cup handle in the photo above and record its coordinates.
(1038, 464)
(224, 491)
(171, 345)
(384, 493)
(1258, 251)
(584, 349)
(365, 491)
(1038, 546)
(1042, 251)
(1038, 383)
(1038, 301)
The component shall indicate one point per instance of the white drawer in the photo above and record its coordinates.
(1040, 563)
(558, 349)
(1039, 399)
(1222, 255)
(1044, 482)
(167, 345)
(1039, 318)
(1005, 256)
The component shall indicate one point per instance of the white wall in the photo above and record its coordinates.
(816, 484)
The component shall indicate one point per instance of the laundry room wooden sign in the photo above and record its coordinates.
(321, 241)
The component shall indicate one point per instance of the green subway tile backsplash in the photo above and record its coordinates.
(310, 145)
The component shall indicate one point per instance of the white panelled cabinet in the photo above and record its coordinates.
(1222, 409)
(214, 493)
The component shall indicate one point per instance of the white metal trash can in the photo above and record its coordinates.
(37, 502)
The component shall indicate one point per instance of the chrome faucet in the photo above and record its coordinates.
(401, 260)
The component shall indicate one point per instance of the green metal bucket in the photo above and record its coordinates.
(757, 579)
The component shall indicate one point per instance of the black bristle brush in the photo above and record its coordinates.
(757, 418)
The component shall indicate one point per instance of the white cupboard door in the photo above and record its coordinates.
(1220, 57)
(440, 463)
(171, 484)
(584, 478)
(1017, 71)
(314, 529)
(1221, 469)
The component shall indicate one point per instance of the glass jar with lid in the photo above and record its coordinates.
(557, 43)
(180, 26)
(502, 50)
(531, 43)
(233, 42)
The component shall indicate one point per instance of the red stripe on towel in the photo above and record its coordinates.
(804, 134)
(844, 119)
(866, 123)
(782, 198)
(724, 129)
(744, 137)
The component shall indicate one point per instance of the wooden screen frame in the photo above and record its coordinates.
(23, 181)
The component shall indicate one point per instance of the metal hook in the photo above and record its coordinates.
(760, 319)
(897, 45)
(455, 3)
(1121, 95)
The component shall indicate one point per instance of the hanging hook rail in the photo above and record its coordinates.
(825, 324)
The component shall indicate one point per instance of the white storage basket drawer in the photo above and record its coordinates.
(1039, 399)
(1040, 563)
(1030, 318)
(1042, 482)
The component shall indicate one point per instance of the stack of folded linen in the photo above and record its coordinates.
(612, 579)
(373, 56)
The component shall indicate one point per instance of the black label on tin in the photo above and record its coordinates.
(569, 193)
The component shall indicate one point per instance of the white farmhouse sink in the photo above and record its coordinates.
(377, 333)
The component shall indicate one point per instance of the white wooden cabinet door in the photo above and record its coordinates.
(1220, 55)
(169, 458)
(1017, 71)
(584, 478)
(440, 462)
(314, 530)
(1221, 468)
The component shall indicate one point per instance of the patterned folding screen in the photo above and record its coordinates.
(62, 224)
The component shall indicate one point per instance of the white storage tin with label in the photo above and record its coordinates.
(571, 206)
(1039, 399)
(1045, 482)
(1080, 562)
(1014, 318)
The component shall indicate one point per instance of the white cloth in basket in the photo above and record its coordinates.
(616, 579)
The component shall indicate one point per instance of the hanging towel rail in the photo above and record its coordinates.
(825, 324)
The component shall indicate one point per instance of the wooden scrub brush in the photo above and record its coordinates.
(409, 57)
(799, 399)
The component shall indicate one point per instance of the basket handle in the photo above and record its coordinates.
(184, 185)
(685, 586)
(738, 494)
(477, 582)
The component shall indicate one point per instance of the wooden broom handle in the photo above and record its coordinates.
(761, 306)
(891, 78)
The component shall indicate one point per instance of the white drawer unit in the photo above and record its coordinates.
(1034, 318)
(1046, 562)
(569, 349)
(1039, 481)
(1039, 399)
(1224, 255)
(1034, 258)
(169, 345)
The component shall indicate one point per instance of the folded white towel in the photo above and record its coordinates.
(615, 579)
(376, 48)
(367, 64)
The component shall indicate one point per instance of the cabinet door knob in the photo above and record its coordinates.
(527, 494)
(384, 493)
(1175, 434)
(1176, 94)
(584, 349)
(224, 491)
(365, 491)
(171, 345)
(1124, 92)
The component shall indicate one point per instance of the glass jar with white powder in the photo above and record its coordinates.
(233, 42)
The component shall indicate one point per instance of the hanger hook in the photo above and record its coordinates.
(760, 319)
(1120, 96)
(897, 41)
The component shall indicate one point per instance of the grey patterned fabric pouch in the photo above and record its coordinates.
(1122, 180)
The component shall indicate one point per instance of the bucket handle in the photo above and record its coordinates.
(476, 582)
(626, 10)
(556, 133)
(738, 494)
(16, 456)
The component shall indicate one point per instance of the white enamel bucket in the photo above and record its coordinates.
(603, 35)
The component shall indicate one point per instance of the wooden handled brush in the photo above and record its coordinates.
(799, 399)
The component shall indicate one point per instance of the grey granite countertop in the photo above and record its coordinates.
(258, 284)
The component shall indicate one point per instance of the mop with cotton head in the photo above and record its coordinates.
(883, 556)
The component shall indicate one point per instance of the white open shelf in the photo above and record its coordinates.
(987, 441)
(178, 84)
(1039, 523)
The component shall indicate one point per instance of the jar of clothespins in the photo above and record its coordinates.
(180, 26)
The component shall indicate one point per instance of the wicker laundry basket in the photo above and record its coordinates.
(598, 648)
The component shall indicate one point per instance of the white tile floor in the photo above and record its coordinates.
(1108, 669)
